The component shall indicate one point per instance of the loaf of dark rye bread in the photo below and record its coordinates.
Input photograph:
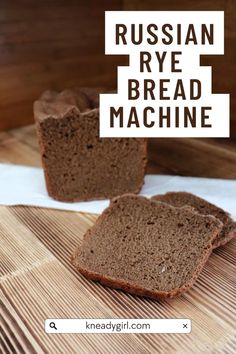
(78, 165)
(147, 248)
(179, 199)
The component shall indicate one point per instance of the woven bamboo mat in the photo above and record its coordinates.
(38, 282)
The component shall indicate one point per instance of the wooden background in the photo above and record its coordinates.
(60, 43)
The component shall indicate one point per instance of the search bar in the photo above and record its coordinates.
(115, 325)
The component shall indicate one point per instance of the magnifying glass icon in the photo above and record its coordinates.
(53, 325)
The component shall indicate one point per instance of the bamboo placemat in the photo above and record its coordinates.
(38, 282)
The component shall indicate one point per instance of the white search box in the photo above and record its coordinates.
(115, 325)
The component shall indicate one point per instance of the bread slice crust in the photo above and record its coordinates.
(179, 199)
(128, 285)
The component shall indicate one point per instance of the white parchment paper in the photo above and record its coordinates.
(22, 185)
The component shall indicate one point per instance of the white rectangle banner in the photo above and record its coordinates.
(164, 91)
(140, 325)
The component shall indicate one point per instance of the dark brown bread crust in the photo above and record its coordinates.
(78, 165)
(203, 207)
(132, 287)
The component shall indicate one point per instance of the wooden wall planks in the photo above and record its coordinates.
(57, 44)
(50, 44)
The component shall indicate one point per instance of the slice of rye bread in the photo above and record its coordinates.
(147, 248)
(179, 199)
